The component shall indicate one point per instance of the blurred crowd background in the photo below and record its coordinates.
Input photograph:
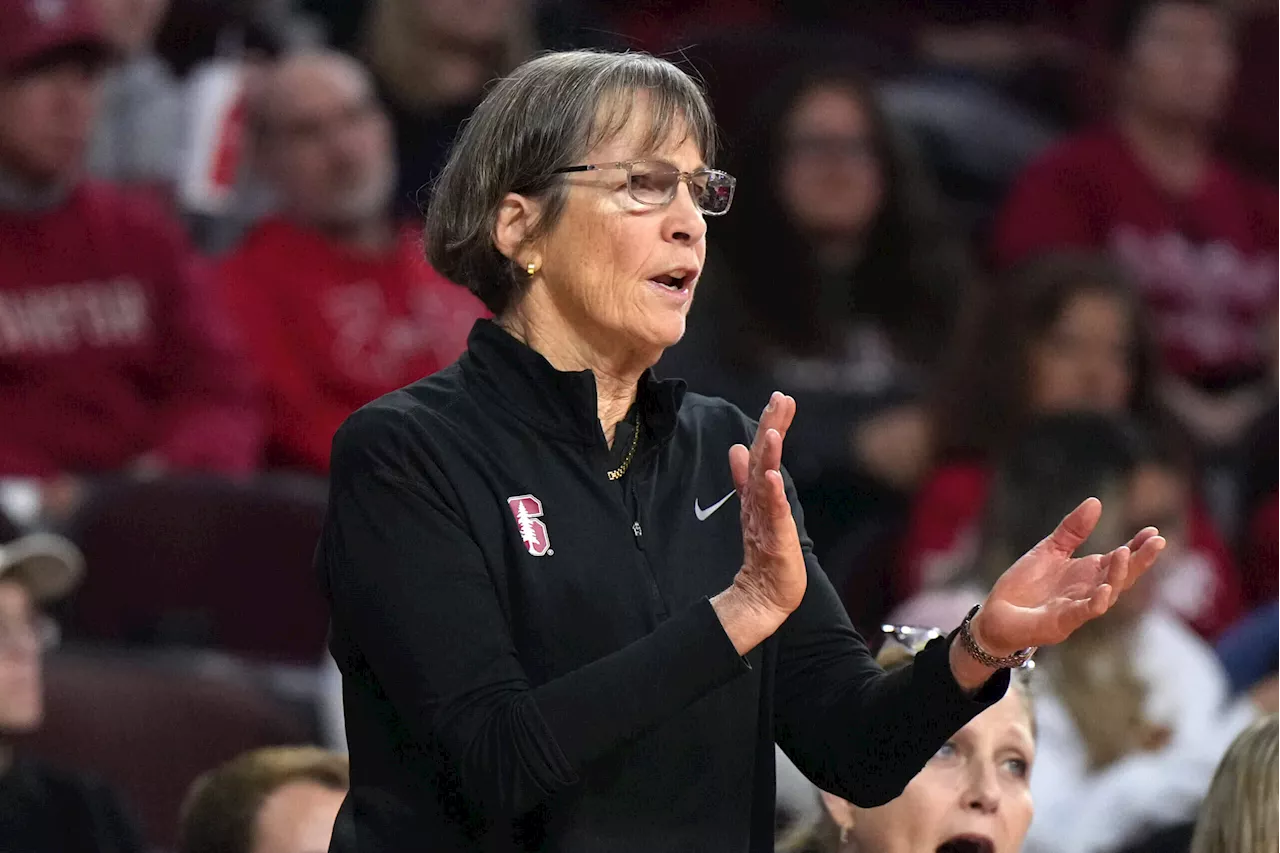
(1005, 255)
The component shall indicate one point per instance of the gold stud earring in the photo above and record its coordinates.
(531, 267)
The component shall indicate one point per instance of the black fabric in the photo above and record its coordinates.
(43, 810)
(568, 686)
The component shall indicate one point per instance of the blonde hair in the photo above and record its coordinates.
(394, 46)
(1240, 813)
(221, 810)
(822, 834)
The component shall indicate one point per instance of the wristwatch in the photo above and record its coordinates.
(980, 654)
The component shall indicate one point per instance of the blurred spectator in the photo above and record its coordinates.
(1250, 653)
(432, 60)
(1241, 814)
(972, 795)
(849, 306)
(139, 134)
(273, 800)
(43, 809)
(1200, 239)
(335, 297)
(1134, 715)
(1062, 335)
(111, 354)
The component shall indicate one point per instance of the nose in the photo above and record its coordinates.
(684, 222)
(982, 792)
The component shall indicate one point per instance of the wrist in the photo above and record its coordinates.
(746, 621)
(976, 626)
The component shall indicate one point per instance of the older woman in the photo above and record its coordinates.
(573, 607)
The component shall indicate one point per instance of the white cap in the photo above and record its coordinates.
(49, 566)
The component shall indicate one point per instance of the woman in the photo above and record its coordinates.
(1240, 814)
(974, 794)
(1063, 334)
(572, 608)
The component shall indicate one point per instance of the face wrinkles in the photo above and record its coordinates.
(594, 283)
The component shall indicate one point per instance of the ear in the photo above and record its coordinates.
(841, 811)
(517, 216)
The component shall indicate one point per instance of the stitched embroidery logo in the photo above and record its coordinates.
(533, 530)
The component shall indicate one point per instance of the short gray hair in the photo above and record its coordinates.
(546, 115)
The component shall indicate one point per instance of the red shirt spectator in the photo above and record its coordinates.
(1201, 583)
(1205, 262)
(110, 347)
(331, 329)
(338, 304)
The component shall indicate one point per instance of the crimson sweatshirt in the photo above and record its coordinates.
(1205, 263)
(330, 330)
(111, 343)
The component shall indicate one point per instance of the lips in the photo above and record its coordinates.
(967, 844)
(676, 279)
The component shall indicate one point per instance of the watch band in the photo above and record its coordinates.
(984, 657)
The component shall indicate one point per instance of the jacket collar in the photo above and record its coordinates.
(561, 404)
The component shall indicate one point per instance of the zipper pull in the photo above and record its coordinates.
(635, 528)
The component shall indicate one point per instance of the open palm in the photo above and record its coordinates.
(1049, 593)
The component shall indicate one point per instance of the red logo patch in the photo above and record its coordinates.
(533, 531)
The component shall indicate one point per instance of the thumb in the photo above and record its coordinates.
(1076, 527)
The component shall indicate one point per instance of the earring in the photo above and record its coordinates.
(531, 267)
(845, 832)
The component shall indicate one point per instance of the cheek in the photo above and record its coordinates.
(916, 816)
(1020, 809)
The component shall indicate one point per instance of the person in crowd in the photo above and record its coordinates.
(973, 794)
(334, 296)
(1241, 813)
(849, 306)
(44, 809)
(1064, 334)
(1199, 239)
(1250, 653)
(543, 600)
(432, 60)
(139, 135)
(113, 352)
(273, 800)
(1135, 711)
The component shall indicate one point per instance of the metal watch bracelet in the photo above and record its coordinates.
(984, 657)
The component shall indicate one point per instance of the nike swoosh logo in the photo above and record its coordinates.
(704, 514)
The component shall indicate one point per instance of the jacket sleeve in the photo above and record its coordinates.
(208, 416)
(411, 589)
(850, 727)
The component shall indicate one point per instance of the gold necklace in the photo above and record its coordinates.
(616, 473)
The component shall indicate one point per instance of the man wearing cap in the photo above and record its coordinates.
(43, 810)
(112, 351)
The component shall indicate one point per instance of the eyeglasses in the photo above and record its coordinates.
(914, 638)
(654, 182)
(42, 631)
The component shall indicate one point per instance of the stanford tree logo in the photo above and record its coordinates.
(533, 531)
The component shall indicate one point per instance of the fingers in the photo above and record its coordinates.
(1118, 562)
(1140, 537)
(740, 466)
(1145, 557)
(1076, 527)
(777, 415)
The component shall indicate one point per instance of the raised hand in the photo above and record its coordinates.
(1049, 593)
(772, 580)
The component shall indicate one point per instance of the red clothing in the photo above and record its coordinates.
(111, 346)
(1206, 264)
(329, 330)
(1202, 586)
(1261, 555)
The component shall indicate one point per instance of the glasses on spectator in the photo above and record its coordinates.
(42, 632)
(654, 182)
(914, 638)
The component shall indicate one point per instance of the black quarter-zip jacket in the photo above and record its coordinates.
(530, 659)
